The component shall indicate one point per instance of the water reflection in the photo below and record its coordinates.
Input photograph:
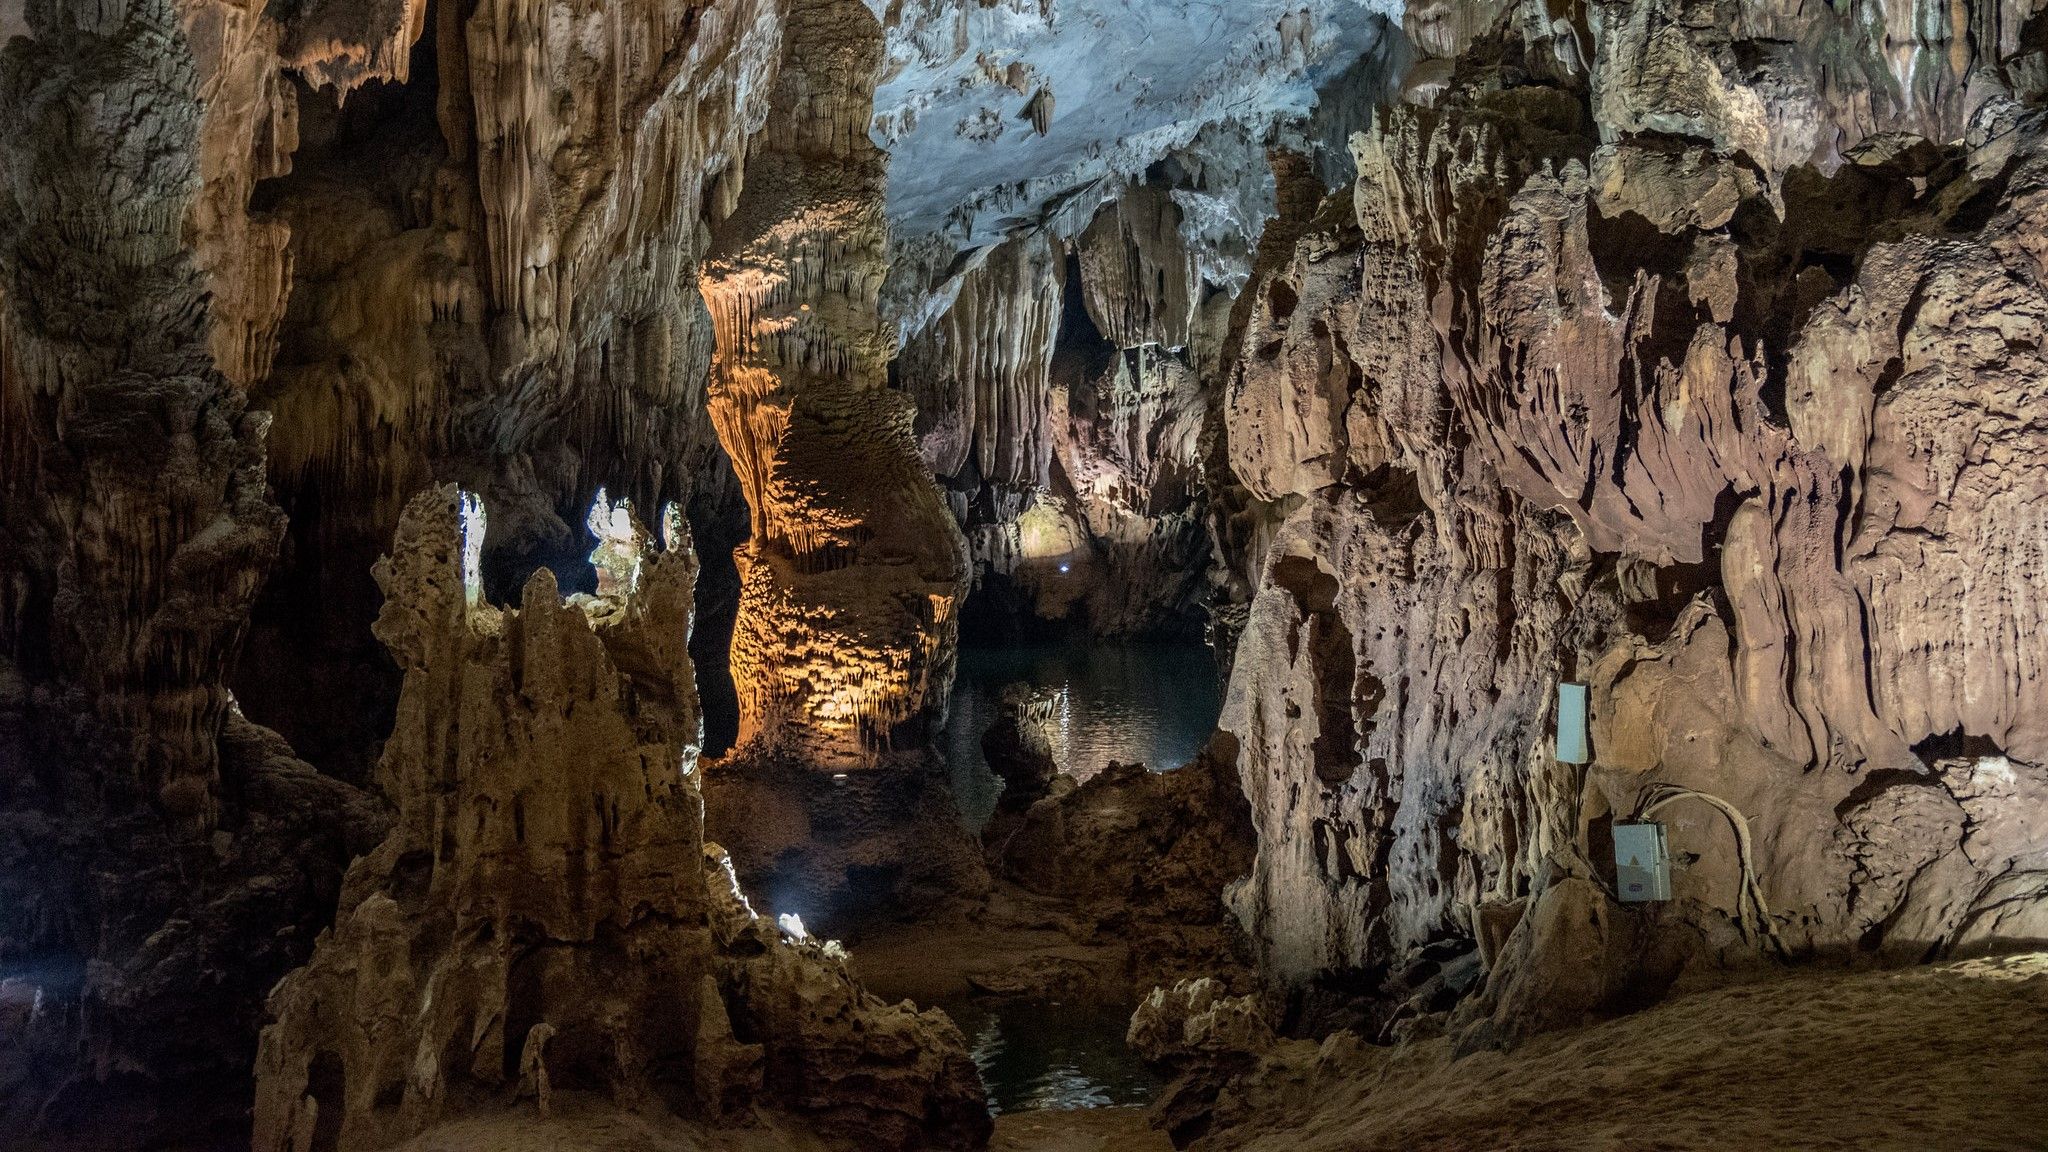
(1041, 1056)
(1149, 703)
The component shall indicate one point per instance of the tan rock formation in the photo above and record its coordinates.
(1069, 432)
(1198, 1019)
(1129, 442)
(1557, 404)
(980, 372)
(854, 572)
(504, 294)
(1138, 277)
(543, 918)
(1142, 857)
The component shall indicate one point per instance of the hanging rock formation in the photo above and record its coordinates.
(1644, 400)
(853, 575)
(979, 371)
(493, 280)
(1138, 277)
(130, 572)
(543, 917)
(1065, 416)
(1687, 349)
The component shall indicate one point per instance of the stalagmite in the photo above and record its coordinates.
(1603, 446)
(543, 917)
(505, 294)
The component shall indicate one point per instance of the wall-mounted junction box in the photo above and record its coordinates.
(1571, 724)
(1642, 863)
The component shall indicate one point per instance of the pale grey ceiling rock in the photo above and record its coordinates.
(1000, 114)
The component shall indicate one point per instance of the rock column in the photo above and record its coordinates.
(850, 583)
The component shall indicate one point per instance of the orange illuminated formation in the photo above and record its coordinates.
(849, 584)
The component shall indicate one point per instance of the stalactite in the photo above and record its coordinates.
(1138, 276)
(344, 45)
(979, 371)
(508, 297)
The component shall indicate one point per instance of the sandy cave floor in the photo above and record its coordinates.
(1083, 1130)
(1951, 1057)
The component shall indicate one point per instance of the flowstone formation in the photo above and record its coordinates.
(851, 581)
(1700, 382)
(1072, 221)
(1424, 357)
(545, 917)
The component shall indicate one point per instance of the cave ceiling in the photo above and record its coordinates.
(1005, 116)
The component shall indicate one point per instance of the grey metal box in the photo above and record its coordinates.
(1642, 863)
(1571, 723)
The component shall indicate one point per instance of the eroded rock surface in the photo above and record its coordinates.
(1063, 405)
(156, 842)
(1594, 378)
(1141, 855)
(1690, 349)
(543, 917)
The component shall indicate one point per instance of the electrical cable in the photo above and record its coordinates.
(1753, 915)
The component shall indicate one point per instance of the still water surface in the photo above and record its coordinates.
(1036, 1055)
(1149, 703)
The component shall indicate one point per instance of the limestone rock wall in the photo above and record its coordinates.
(494, 280)
(542, 917)
(130, 571)
(980, 372)
(1595, 378)
(1079, 843)
(145, 821)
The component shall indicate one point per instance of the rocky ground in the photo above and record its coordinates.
(1083, 1130)
(1948, 1056)
(588, 1126)
(1098, 892)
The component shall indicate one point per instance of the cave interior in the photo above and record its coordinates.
(1046, 575)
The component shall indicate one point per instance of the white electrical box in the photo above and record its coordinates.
(1571, 723)
(1642, 863)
